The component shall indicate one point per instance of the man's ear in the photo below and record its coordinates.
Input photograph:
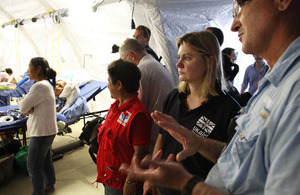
(132, 56)
(283, 5)
(148, 39)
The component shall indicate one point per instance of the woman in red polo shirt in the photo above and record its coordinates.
(126, 131)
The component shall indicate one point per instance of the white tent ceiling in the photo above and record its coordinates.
(84, 38)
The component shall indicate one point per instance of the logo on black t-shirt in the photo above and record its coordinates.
(203, 127)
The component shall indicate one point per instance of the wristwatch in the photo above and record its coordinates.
(188, 188)
(130, 182)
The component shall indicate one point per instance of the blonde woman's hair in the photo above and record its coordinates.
(206, 44)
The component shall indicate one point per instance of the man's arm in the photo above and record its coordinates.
(243, 90)
(204, 189)
(191, 142)
(284, 172)
(168, 174)
(245, 81)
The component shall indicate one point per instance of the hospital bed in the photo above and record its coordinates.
(88, 91)
(20, 90)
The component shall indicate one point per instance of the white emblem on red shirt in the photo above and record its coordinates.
(124, 117)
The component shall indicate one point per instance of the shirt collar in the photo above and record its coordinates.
(127, 104)
(145, 57)
(252, 65)
(284, 63)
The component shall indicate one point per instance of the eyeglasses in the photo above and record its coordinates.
(137, 37)
(237, 6)
(126, 57)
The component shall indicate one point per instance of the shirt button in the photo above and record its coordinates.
(104, 175)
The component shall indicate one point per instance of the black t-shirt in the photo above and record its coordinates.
(211, 120)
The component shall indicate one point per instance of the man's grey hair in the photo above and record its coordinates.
(131, 45)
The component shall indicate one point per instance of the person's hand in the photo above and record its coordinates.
(4, 80)
(184, 136)
(129, 189)
(148, 188)
(30, 111)
(163, 173)
(14, 81)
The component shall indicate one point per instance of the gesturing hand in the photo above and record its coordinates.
(184, 136)
(163, 173)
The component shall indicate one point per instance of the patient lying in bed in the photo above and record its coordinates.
(66, 94)
(69, 103)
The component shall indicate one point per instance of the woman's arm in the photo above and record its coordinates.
(130, 186)
(33, 98)
(158, 144)
(140, 137)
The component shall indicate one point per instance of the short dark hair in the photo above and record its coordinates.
(218, 33)
(228, 50)
(8, 70)
(146, 31)
(126, 72)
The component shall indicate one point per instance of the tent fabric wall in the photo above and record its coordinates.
(166, 19)
(171, 19)
(174, 18)
(84, 39)
(180, 18)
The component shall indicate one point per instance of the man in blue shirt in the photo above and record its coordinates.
(263, 156)
(253, 74)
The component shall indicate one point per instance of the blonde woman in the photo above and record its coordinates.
(199, 103)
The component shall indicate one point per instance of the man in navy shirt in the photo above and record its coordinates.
(142, 34)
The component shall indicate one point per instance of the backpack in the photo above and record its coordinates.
(9, 145)
(89, 135)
